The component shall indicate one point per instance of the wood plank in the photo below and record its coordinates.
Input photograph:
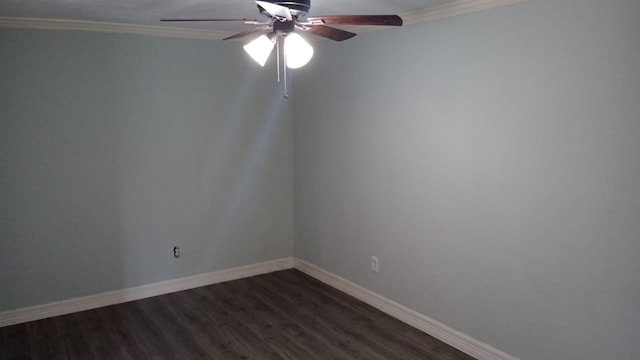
(14, 342)
(281, 315)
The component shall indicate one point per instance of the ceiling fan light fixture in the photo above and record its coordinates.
(297, 51)
(260, 49)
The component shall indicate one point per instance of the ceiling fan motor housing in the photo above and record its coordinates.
(297, 7)
(283, 27)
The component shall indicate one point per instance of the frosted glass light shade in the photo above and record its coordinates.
(260, 49)
(297, 51)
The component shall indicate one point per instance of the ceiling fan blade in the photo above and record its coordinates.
(386, 20)
(228, 20)
(248, 32)
(276, 11)
(330, 33)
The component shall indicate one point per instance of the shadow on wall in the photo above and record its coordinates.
(117, 148)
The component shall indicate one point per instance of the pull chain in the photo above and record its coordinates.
(278, 56)
(284, 70)
(280, 48)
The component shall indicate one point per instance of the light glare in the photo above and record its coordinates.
(297, 51)
(260, 49)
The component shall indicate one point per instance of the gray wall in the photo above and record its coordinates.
(492, 162)
(115, 148)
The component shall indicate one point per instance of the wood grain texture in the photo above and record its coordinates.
(281, 315)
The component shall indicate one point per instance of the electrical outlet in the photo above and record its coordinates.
(176, 251)
(374, 264)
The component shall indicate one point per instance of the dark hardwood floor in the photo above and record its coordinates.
(282, 315)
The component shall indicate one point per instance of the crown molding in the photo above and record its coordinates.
(109, 27)
(448, 9)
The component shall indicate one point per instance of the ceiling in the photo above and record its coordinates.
(142, 17)
(148, 12)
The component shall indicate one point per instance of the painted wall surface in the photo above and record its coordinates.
(492, 162)
(115, 148)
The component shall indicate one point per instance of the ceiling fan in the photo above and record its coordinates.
(284, 20)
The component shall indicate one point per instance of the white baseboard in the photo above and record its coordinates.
(139, 292)
(438, 330)
(460, 341)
